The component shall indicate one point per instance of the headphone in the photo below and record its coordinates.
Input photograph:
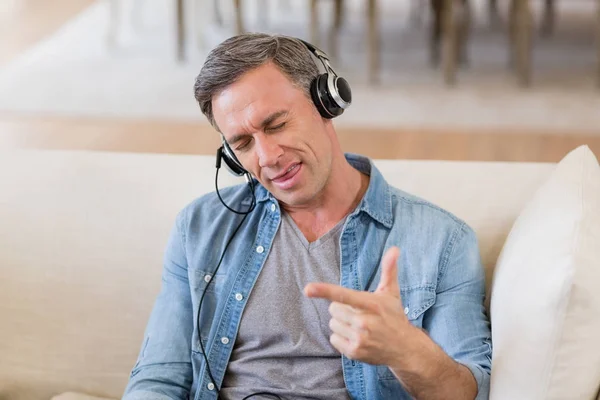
(330, 93)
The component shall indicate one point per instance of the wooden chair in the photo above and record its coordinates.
(373, 35)
(333, 36)
(451, 27)
(521, 35)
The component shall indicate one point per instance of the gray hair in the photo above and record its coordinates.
(240, 54)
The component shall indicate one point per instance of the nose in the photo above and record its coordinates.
(268, 150)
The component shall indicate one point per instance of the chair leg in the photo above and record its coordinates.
(523, 37)
(493, 14)
(512, 18)
(374, 50)
(549, 18)
(464, 30)
(450, 42)
(435, 34)
(180, 30)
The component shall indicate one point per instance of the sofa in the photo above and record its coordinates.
(82, 235)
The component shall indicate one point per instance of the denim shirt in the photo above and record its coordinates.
(441, 282)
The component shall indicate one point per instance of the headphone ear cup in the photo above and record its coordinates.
(343, 90)
(231, 161)
(323, 100)
(314, 94)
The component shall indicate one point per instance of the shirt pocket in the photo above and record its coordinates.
(202, 278)
(416, 301)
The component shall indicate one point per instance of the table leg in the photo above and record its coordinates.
(493, 15)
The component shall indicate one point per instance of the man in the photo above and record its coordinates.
(332, 284)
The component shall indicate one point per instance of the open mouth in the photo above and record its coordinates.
(291, 171)
(288, 179)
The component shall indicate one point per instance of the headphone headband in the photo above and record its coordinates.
(315, 50)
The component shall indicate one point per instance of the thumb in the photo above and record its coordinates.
(389, 273)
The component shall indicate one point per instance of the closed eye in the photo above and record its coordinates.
(244, 145)
(276, 127)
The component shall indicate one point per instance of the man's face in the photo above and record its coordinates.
(277, 134)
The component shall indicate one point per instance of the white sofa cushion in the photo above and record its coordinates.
(82, 236)
(545, 302)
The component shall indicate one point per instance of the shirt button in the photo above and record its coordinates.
(273, 207)
(405, 310)
(211, 386)
(225, 340)
(207, 278)
(239, 297)
(260, 249)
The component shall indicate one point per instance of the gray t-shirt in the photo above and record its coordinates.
(282, 346)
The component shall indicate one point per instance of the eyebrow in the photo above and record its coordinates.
(265, 122)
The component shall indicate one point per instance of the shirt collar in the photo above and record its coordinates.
(377, 201)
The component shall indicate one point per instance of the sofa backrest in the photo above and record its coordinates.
(82, 236)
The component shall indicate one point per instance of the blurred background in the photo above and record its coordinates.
(504, 80)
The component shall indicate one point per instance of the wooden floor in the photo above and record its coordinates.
(25, 22)
(189, 138)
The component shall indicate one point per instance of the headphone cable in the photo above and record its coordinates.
(245, 214)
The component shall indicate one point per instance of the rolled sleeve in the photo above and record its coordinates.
(458, 321)
(483, 381)
(163, 369)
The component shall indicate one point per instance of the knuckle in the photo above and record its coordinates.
(332, 324)
(379, 307)
(335, 342)
(362, 323)
(332, 308)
